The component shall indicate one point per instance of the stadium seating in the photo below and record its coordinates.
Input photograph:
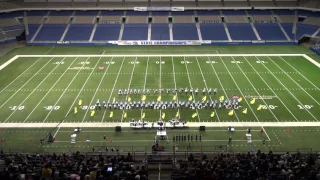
(135, 32)
(32, 30)
(107, 32)
(241, 31)
(160, 31)
(51, 32)
(305, 29)
(79, 32)
(184, 32)
(288, 29)
(213, 31)
(270, 31)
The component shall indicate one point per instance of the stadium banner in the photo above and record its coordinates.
(148, 43)
(158, 8)
(63, 42)
(258, 42)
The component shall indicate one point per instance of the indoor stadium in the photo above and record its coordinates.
(159, 89)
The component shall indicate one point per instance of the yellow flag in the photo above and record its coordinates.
(111, 114)
(143, 115)
(231, 112)
(194, 115)
(114, 99)
(240, 99)
(174, 97)
(259, 107)
(80, 102)
(253, 101)
(159, 98)
(75, 110)
(204, 98)
(92, 113)
(144, 97)
(245, 111)
(125, 115)
(177, 114)
(221, 98)
(190, 98)
(212, 114)
(129, 99)
(163, 116)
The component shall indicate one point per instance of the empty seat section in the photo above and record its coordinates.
(236, 19)
(84, 19)
(37, 13)
(270, 31)
(57, 19)
(32, 30)
(106, 32)
(303, 29)
(182, 13)
(209, 19)
(34, 19)
(160, 19)
(182, 19)
(80, 32)
(259, 12)
(112, 13)
(207, 13)
(288, 29)
(11, 14)
(136, 19)
(160, 32)
(160, 13)
(86, 13)
(135, 32)
(61, 13)
(283, 12)
(110, 19)
(234, 12)
(213, 31)
(18, 26)
(287, 18)
(259, 18)
(51, 32)
(241, 31)
(185, 32)
(308, 13)
(312, 20)
(137, 13)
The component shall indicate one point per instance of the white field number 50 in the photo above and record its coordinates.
(305, 106)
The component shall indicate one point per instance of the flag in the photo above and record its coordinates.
(245, 111)
(212, 114)
(144, 97)
(190, 98)
(92, 113)
(177, 114)
(80, 102)
(129, 99)
(240, 99)
(204, 98)
(143, 115)
(253, 101)
(221, 98)
(75, 110)
(114, 99)
(125, 115)
(259, 107)
(174, 97)
(231, 112)
(194, 115)
(159, 98)
(163, 116)
(111, 114)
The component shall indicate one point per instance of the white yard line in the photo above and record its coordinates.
(25, 83)
(145, 82)
(295, 82)
(90, 104)
(256, 90)
(205, 83)
(34, 90)
(134, 65)
(175, 85)
(289, 92)
(245, 98)
(65, 90)
(56, 132)
(75, 99)
(160, 87)
(184, 59)
(299, 73)
(272, 89)
(49, 90)
(114, 85)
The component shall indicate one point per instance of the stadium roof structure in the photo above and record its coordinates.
(7, 6)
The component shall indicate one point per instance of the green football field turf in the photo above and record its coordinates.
(39, 91)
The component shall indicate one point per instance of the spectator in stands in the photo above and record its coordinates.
(129, 158)
(46, 171)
